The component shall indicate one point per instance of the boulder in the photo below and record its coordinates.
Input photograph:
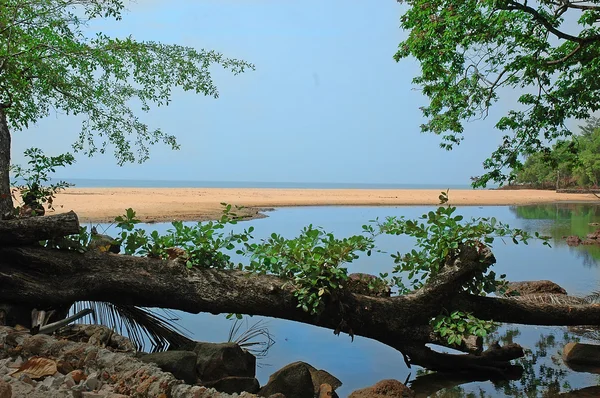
(587, 392)
(5, 390)
(182, 364)
(293, 380)
(216, 361)
(533, 287)
(573, 240)
(234, 384)
(582, 357)
(320, 377)
(384, 389)
(359, 283)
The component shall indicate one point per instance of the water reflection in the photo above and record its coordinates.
(564, 219)
(544, 373)
(364, 362)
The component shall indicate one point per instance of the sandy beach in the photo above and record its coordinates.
(168, 204)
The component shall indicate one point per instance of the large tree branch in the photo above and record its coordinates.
(38, 276)
(527, 312)
(29, 230)
(515, 5)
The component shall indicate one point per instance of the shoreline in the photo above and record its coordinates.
(202, 204)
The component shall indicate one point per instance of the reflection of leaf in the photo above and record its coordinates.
(36, 368)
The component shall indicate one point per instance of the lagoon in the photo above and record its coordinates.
(363, 362)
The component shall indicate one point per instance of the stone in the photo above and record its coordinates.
(77, 375)
(5, 390)
(92, 383)
(573, 240)
(320, 377)
(293, 380)
(182, 364)
(533, 287)
(582, 357)
(216, 361)
(384, 389)
(233, 384)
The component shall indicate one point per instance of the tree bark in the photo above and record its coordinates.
(22, 231)
(6, 203)
(47, 277)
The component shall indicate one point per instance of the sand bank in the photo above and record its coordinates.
(168, 204)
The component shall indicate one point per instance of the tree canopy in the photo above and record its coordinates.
(48, 61)
(472, 52)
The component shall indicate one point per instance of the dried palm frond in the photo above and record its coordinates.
(547, 298)
(141, 325)
(593, 298)
(248, 339)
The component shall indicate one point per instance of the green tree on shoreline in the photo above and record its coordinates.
(570, 163)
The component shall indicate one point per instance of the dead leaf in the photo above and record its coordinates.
(36, 368)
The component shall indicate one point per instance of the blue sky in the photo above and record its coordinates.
(327, 102)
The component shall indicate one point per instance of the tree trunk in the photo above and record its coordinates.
(33, 229)
(6, 203)
(47, 277)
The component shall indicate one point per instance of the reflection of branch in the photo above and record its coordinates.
(429, 384)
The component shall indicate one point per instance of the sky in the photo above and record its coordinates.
(327, 103)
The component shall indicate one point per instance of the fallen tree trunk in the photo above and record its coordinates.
(22, 231)
(46, 277)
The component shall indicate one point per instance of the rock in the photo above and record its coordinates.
(384, 388)
(320, 377)
(587, 392)
(278, 395)
(293, 380)
(5, 390)
(181, 363)
(325, 391)
(103, 243)
(573, 240)
(582, 357)
(533, 287)
(359, 283)
(77, 375)
(235, 384)
(216, 361)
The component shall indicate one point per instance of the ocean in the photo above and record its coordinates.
(116, 183)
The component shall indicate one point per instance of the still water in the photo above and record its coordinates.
(364, 362)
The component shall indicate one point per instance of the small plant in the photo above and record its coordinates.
(439, 234)
(32, 185)
(203, 244)
(255, 339)
(457, 325)
(312, 262)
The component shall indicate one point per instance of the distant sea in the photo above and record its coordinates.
(101, 183)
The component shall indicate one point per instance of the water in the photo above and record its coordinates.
(364, 362)
(116, 183)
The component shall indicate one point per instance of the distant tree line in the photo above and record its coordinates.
(569, 163)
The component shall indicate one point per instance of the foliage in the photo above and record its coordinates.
(312, 262)
(459, 324)
(472, 52)
(204, 244)
(48, 60)
(439, 236)
(31, 183)
(573, 162)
